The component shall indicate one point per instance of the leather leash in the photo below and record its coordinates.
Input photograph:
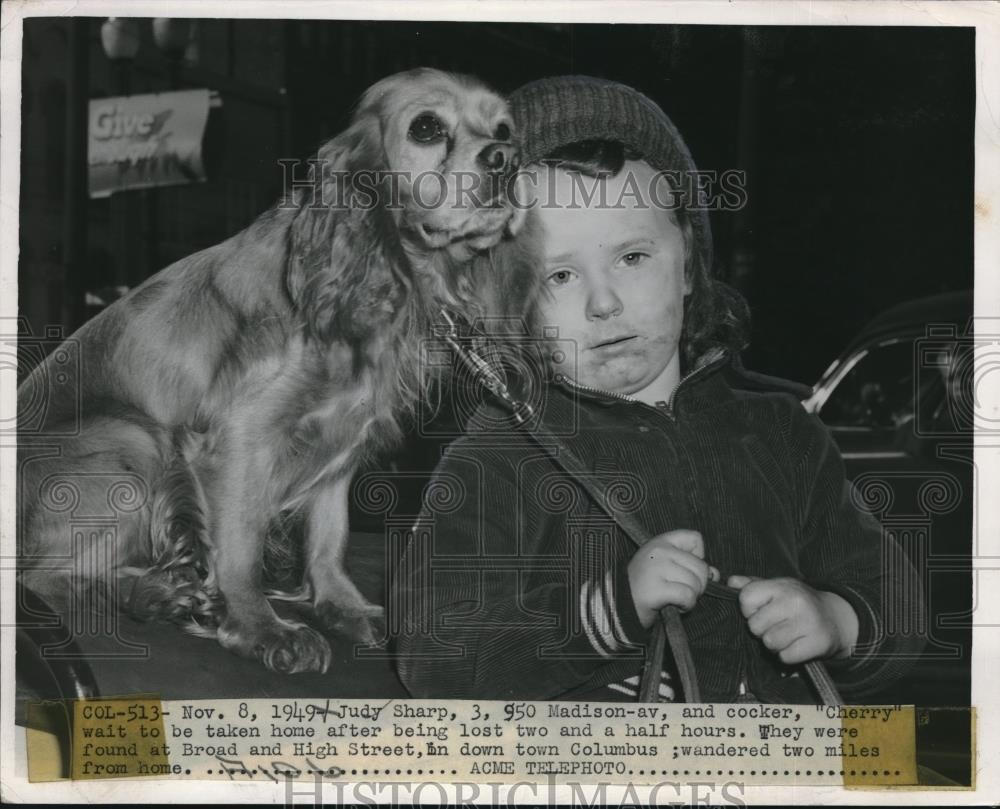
(669, 631)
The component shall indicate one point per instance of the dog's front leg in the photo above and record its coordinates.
(339, 604)
(251, 628)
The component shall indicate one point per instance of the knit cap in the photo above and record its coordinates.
(555, 112)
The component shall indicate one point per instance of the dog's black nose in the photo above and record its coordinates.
(497, 157)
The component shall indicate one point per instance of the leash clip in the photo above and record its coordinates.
(484, 374)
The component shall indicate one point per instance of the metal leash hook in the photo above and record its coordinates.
(484, 374)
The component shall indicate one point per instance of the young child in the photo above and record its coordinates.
(519, 586)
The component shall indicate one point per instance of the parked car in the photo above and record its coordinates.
(899, 403)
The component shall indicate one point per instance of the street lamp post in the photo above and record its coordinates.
(172, 36)
(120, 40)
(75, 178)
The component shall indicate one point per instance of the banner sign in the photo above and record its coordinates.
(145, 141)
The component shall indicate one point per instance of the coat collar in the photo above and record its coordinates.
(707, 365)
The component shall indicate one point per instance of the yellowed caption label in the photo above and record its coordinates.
(47, 739)
(879, 749)
(878, 746)
(119, 738)
(341, 741)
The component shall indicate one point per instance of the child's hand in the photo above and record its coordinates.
(668, 570)
(796, 621)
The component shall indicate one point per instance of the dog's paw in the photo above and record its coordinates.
(300, 648)
(364, 624)
(282, 646)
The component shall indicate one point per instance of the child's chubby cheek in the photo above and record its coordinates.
(616, 368)
(624, 367)
(621, 374)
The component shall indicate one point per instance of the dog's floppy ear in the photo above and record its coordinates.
(505, 283)
(520, 191)
(344, 249)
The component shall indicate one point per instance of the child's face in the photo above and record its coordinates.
(613, 279)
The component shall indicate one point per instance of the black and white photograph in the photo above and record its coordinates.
(591, 361)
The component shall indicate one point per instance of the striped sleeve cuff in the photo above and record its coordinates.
(608, 615)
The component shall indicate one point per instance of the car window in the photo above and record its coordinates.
(877, 391)
(947, 403)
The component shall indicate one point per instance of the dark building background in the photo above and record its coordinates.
(857, 143)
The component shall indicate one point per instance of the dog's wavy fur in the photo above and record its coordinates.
(237, 391)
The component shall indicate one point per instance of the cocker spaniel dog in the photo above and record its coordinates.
(247, 382)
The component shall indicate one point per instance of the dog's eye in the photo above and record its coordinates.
(426, 129)
(502, 132)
